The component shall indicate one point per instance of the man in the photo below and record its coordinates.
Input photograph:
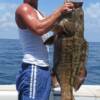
(34, 80)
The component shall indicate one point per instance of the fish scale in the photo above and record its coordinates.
(70, 52)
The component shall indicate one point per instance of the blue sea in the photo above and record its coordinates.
(11, 55)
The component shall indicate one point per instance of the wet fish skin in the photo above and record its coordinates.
(70, 53)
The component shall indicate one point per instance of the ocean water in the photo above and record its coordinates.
(11, 55)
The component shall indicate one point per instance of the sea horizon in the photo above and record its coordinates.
(11, 55)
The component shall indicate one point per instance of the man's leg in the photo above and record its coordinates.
(55, 83)
(34, 83)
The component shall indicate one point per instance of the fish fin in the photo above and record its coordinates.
(50, 40)
(80, 78)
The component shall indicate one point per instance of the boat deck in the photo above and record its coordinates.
(86, 92)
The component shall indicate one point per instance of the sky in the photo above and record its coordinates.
(9, 30)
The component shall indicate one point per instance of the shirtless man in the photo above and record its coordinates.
(34, 80)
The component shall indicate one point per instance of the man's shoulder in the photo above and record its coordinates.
(24, 8)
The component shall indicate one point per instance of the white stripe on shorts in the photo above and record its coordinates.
(33, 81)
(34, 84)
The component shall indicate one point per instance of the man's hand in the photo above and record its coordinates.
(67, 7)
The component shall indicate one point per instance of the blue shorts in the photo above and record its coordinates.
(33, 82)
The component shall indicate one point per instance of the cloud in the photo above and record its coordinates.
(8, 6)
(7, 19)
(7, 14)
(92, 22)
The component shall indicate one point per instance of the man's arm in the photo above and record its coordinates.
(31, 21)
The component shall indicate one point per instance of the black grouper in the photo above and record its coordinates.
(70, 51)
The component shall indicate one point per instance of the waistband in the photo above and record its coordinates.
(26, 65)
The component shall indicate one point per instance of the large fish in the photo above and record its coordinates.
(70, 52)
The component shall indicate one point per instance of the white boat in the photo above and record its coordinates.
(86, 92)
